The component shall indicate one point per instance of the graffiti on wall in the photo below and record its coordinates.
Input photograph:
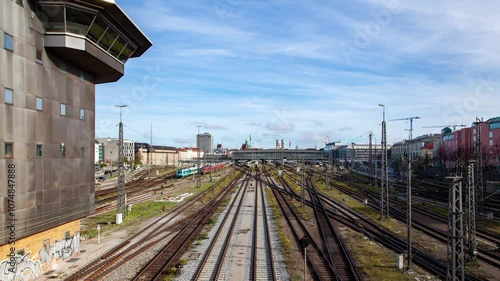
(20, 268)
(60, 250)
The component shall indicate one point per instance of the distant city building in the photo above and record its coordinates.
(419, 147)
(221, 150)
(99, 152)
(156, 155)
(205, 142)
(53, 54)
(111, 149)
(189, 154)
(459, 145)
(357, 153)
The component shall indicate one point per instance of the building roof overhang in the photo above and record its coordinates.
(85, 54)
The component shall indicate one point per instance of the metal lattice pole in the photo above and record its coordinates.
(384, 190)
(120, 206)
(470, 241)
(408, 196)
(455, 231)
(198, 174)
(370, 157)
(479, 167)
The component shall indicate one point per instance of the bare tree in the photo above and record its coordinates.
(444, 154)
(495, 150)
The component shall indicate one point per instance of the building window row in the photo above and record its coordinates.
(494, 125)
(9, 150)
(448, 137)
(9, 99)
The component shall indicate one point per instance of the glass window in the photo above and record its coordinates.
(39, 56)
(126, 53)
(491, 142)
(39, 150)
(52, 18)
(9, 150)
(108, 39)
(39, 103)
(63, 109)
(97, 29)
(474, 131)
(82, 114)
(474, 138)
(82, 75)
(63, 150)
(8, 96)
(8, 42)
(82, 152)
(491, 135)
(78, 21)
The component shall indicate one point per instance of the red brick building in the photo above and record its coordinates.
(459, 145)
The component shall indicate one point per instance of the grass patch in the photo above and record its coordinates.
(491, 226)
(375, 261)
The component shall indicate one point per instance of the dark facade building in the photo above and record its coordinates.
(52, 54)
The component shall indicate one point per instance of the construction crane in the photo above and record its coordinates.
(411, 123)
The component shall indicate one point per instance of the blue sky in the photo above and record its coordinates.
(304, 70)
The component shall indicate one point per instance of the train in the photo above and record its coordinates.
(185, 172)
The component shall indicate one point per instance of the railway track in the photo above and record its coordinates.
(397, 210)
(263, 261)
(171, 253)
(212, 263)
(319, 266)
(158, 231)
(244, 233)
(339, 256)
(363, 225)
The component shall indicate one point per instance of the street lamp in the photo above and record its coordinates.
(122, 194)
(384, 186)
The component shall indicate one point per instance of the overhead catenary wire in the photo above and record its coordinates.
(366, 133)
